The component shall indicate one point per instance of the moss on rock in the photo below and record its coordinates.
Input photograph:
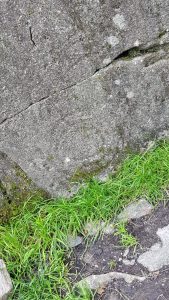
(15, 188)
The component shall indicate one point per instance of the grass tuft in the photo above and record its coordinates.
(126, 238)
(34, 244)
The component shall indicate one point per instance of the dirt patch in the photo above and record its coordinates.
(106, 255)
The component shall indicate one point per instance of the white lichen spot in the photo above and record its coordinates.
(67, 160)
(112, 40)
(137, 60)
(119, 21)
(117, 82)
(136, 43)
(130, 95)
(106, 61)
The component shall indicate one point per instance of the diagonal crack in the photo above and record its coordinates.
(128, 54)
(125, 55)
(24, 109)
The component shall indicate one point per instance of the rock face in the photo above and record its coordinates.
(80, 83)
(15, 187)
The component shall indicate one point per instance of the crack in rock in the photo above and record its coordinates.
(31, 36)
(23, 110)
(131, 53)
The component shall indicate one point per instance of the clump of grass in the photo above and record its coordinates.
(33, 244)
(112, 264)
(126, 238)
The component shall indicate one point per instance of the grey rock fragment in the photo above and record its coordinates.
(74, 241)
(96, 281)
(128, 262)
(135, 210)
(126, 252)
(158, 255)
(93, 229)
(5, 282)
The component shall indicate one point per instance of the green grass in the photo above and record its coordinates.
(126, 238)
(33, 244)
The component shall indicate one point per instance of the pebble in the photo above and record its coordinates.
(74, 241)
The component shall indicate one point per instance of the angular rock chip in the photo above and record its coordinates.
(5, 282)
(135, 210)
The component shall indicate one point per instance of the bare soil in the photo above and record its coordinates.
(106, 255)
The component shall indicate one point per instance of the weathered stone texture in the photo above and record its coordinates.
(5, 282)
(15, 187)
(72, 98)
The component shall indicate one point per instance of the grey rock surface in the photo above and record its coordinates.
(128, 262)
(135, 210)
(96, 281)
(158, 255)
(15, 186)
(5, 282)
(113, 297)
(72, 98)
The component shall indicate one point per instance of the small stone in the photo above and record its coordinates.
(128, 262)
(74, 241)
(158, 255)
(103, 177)
(5, 282)
(92, 228)
(126, 252)
(94, 282)
(135, 210)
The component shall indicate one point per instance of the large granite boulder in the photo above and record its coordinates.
(81, 81)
